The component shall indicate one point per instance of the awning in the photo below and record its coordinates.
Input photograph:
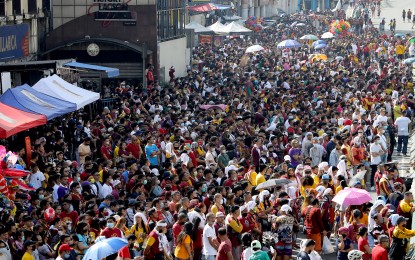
(208, 7)
(13, 121)
(28, 99)
(111, 72)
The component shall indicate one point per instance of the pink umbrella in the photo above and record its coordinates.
(206, 107)
(352, 196)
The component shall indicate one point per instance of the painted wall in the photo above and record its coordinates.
(173, 53)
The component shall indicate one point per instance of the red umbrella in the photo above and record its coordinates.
(14, 173)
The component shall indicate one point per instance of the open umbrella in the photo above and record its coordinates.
(352, 196)
(300, 24)
(327, 35)
(409, 61)
(254, 48)
(319, 42)
(320, 46)
(207, 107)
(293, 24)
(309, 37)
(411, 40)
(339, 58)
(272, 183)
(399, 35)
(104, 248)
(289, 44)
(319, 57)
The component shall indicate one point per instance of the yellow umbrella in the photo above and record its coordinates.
(318, 57)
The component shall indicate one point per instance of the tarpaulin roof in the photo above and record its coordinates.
(56, 87)
(197, 27)
(233, 27)
(111, 72)
(13, 121)
(208, 7)
(28, 99)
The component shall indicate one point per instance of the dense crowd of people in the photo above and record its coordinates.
(182, 171)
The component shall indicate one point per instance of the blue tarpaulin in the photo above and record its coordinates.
(30, 100)
(111, 72)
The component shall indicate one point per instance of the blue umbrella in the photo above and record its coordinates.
(320, 46)
(105, 248)
(409, 61)
(399, 35)
(289, 44)
(319, 42)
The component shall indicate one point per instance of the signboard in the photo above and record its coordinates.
(114, 5)
(207, 39)
(14, 41)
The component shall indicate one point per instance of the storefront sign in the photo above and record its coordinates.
(111, 5)
(14, 41)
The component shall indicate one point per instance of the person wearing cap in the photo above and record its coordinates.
(29, 247)
(219, 222)
(406, 207)
(64, 252)
(285, 223)
(257, 253)
(400, 238)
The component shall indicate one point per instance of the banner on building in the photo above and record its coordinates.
(206, 39)
(14, 41)
(218, 40)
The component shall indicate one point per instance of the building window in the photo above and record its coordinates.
(2, 8)
(17, 8)
(31, 6)
(171, 19)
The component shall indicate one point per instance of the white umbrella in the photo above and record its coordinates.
(293, 24)
(327, 35)
(338, 58)
(300, 24)
(254, 48)
(272, 183)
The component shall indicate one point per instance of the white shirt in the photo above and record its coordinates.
(375, 148)
(194, 214)
(208, 249)
(36, 179)
(106, 190)
(402, 123)
(55, 193)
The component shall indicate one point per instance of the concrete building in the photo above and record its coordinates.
(126, 34)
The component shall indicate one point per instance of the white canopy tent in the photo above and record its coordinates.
(216, 26)
(57, 87)
(197, 27)
(233, 27)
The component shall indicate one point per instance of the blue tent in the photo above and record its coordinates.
(30, 100)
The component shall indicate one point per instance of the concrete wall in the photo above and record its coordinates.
(173, 53)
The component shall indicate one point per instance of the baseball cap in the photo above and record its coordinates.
(220, 214)
(256, 244)
(400, 220)
(287, 158)
(325, 177)
(65, 247)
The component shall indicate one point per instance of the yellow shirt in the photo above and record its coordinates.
(304, 188)
(139, 233)
(405, 206)
(251, 177)
(28, 256)
(180, 250)
(260, 178)
(403, 233)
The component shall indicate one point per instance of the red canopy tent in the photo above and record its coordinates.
(13, 121)
(203, 8)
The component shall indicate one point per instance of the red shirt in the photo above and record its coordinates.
(106, 151)
(224, 248)
(379, 253)
(192, 156)
(134, 149)
(111, 232)
(72, 217)
(361, 243)
(177, 228)
(124, 252)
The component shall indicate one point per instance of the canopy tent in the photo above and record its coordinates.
(28, 99)
(209, 7)
(197, 27)
(216, 26)
(56, 87)
(13, 121)
(111, 72)
(233, 27)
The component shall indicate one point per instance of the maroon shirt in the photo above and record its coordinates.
(224, 248)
